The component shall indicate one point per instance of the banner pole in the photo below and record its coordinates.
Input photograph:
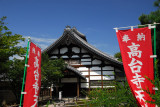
(155, 51)
(25, 68)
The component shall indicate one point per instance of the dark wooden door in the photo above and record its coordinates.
(69, 90)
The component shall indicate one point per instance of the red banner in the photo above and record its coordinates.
(33, 78)
(136, 49)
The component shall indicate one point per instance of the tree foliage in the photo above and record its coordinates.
(15, 76)
(8, 46)
(119, 96)
(52, 70)
(150, 19)
(118, 56)
(155, 96)
(11, 70)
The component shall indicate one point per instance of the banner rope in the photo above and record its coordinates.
(136, 26)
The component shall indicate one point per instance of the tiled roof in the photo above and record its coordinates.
(77, 37)
(75, 71)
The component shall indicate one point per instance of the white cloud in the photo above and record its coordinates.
(42, 42)
(17, 57)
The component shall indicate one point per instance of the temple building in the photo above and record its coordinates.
(87, 66)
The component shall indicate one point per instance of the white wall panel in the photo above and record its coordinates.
(82, 69)
(108, 72)
(108, 68)
(95, 68)
(108, 86)
(84, 85)
(95, 73)
(86, 63)
(55, 51)
(96, 61)
(54, 57)
(85, 59)
(84, 73)
(63, 50)
(76, 49)
(108, 77)
(64, 56)
(83, 51)
(85, 56)
(68, 80)
(95, 86)
(95, 77)
(75, 56)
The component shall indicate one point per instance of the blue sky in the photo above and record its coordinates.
(44, 20)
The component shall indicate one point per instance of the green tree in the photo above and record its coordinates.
(119, 96)
(150, 19)
(8, 46)
(118, 56)
(52, 70)
(11, 69)
(156, 96)
(15, 76)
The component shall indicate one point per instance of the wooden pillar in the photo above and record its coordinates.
(78, 86)
(101, 77)
(89, 78)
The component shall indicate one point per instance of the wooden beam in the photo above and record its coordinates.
(102, 77)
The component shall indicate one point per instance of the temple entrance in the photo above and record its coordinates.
(69, 89)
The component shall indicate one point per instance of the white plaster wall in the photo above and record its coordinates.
(108, 77)
(76, 49)
(95, 86)
(108, 72)
(64, 56)
(54, 57)
(108, 68)
(96, 61)
(95, 77)
(84, 85)
(55, 51)
(108, 86)
(85, 56)
(85, 59)
(95, 68)
(63, 50)
(82, 69)
(83, 51)
(75, 56)
(84, 73)
(95, 73)
(68, 80)
(86, 63)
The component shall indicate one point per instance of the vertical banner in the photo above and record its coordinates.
(136, 49)
(33, 78)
